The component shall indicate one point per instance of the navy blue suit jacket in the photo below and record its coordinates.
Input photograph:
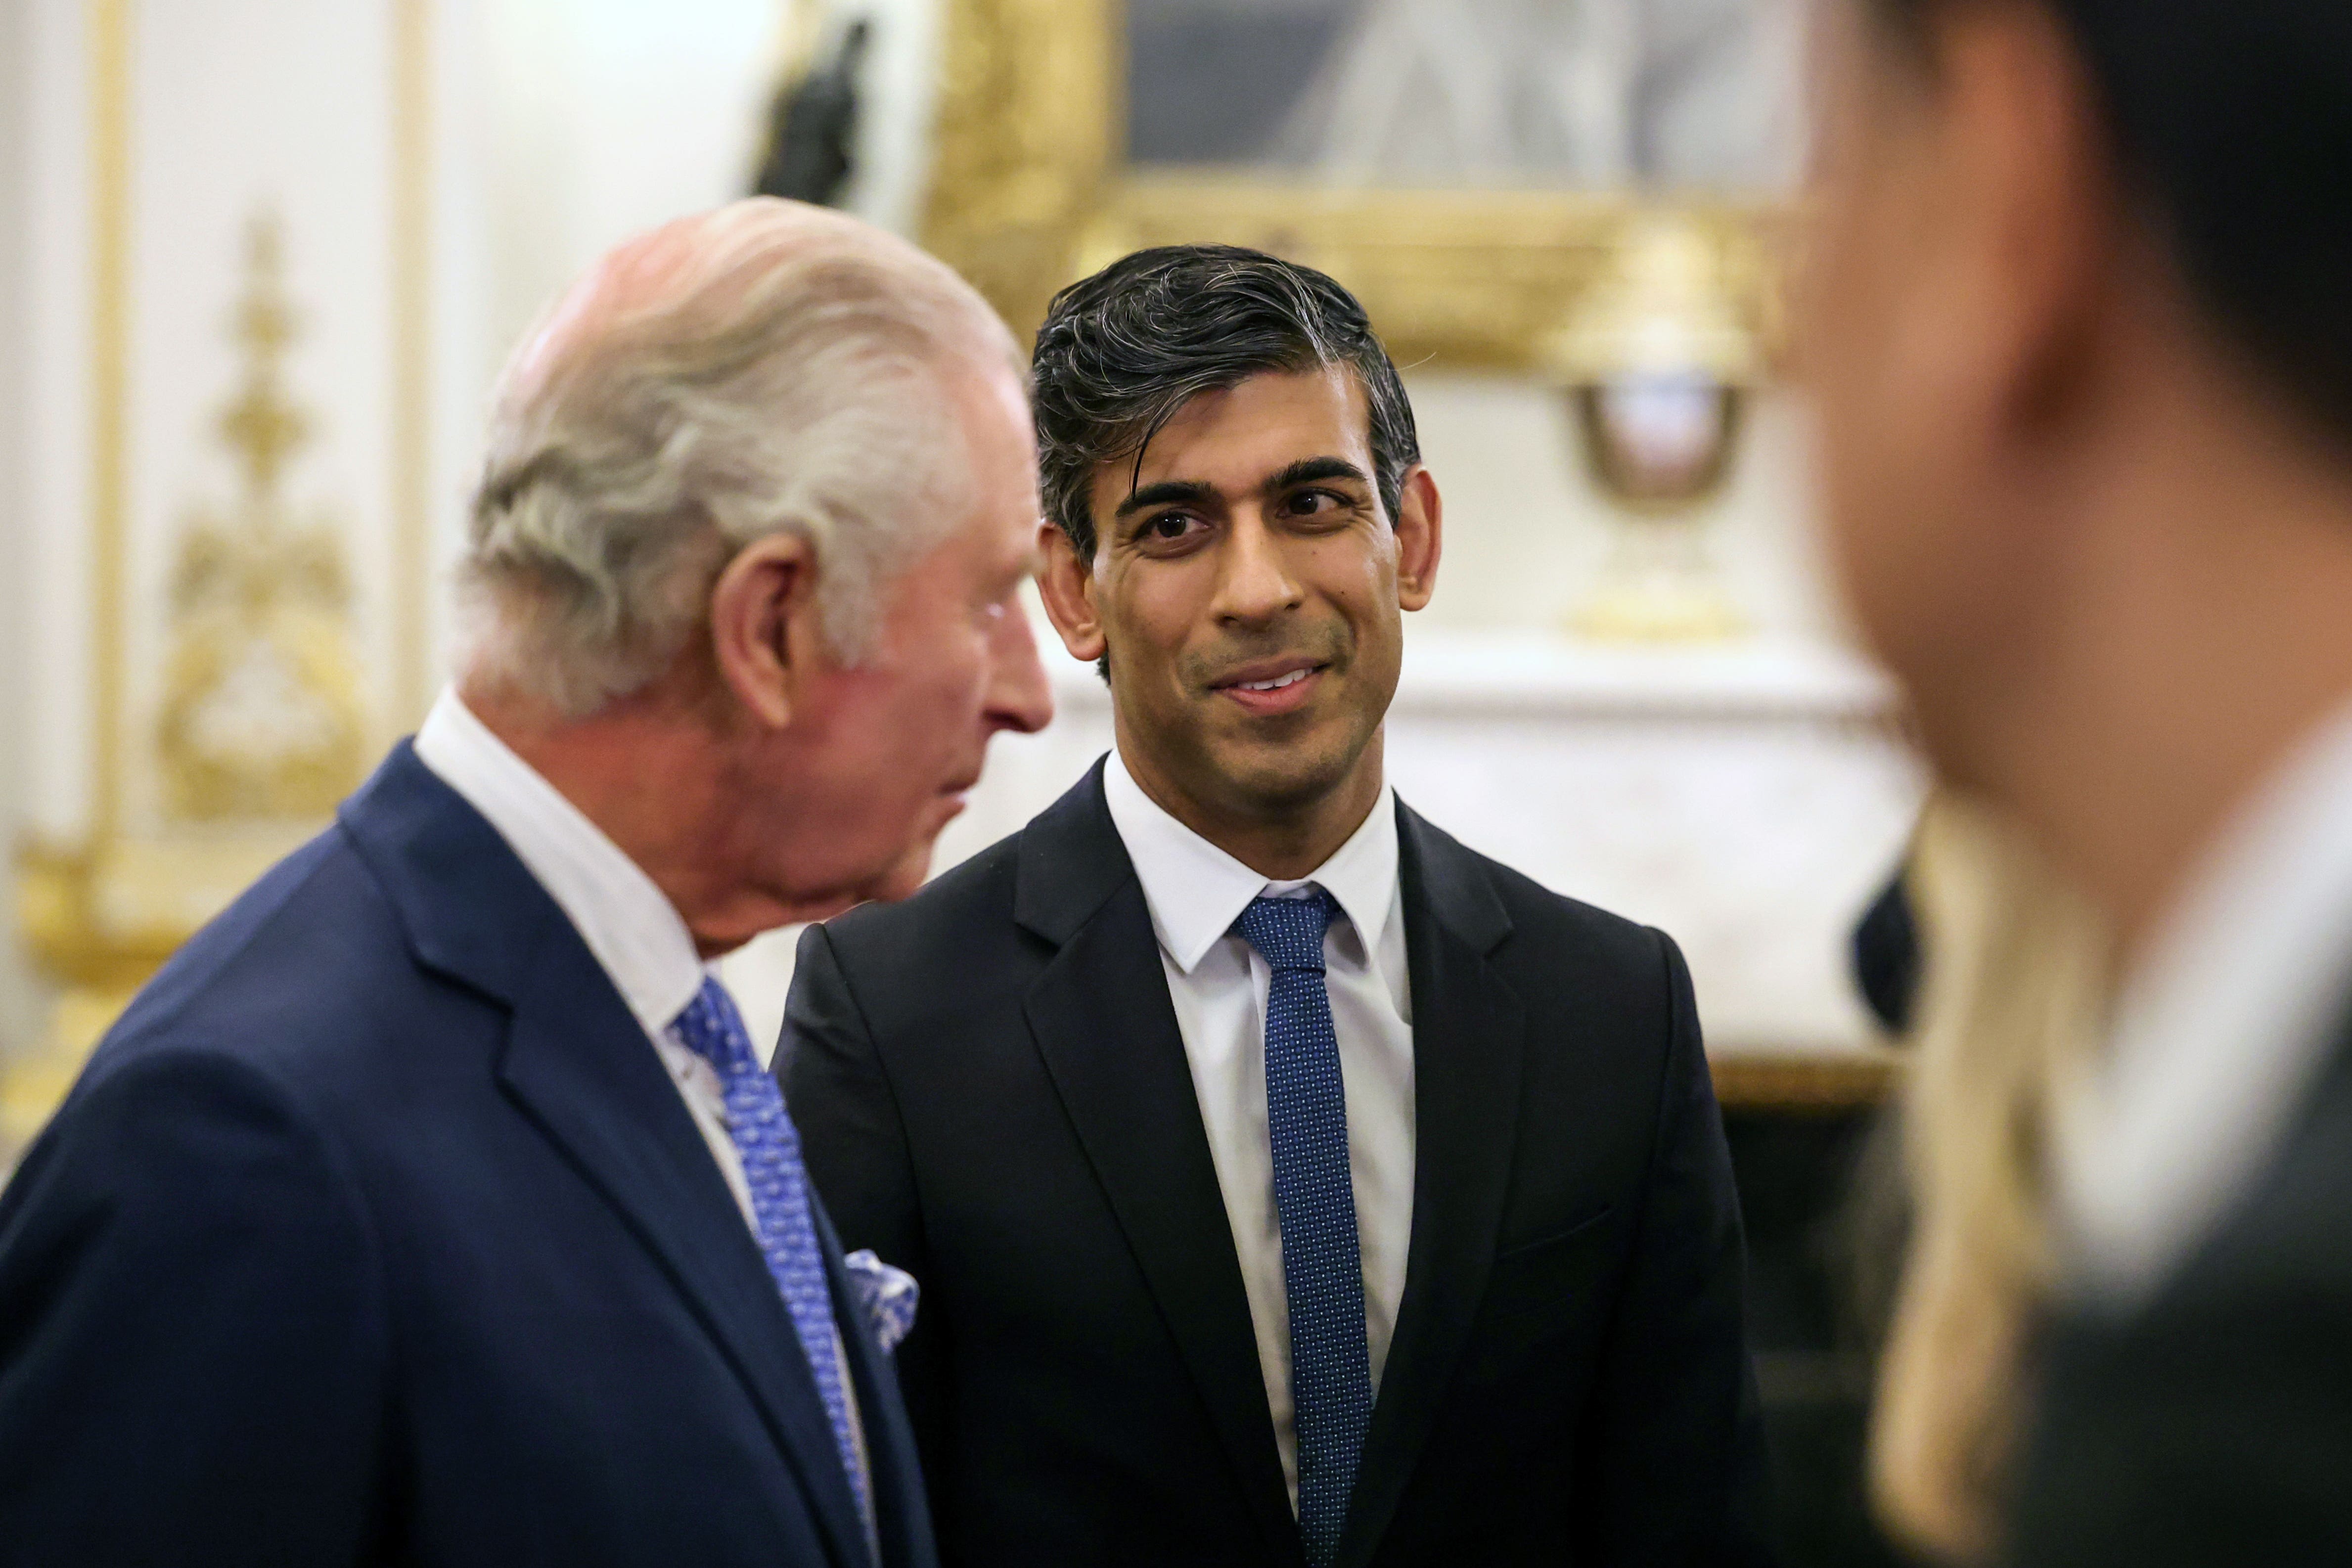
(376, 1232)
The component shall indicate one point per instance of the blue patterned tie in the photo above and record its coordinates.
(770, 1147)
(1322, 1270)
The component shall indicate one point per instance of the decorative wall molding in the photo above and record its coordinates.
(109, 46)
(264, 718)
(247, 660)
(411, 361)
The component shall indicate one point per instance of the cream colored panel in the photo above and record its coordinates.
(51, 587)
(606, 117)
(1527, 530)
(250, 353)
(248, 110)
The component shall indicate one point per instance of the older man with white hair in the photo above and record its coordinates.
(432, 1205)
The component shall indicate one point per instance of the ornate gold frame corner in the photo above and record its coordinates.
(1029, 190)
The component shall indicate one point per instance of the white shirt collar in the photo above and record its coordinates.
(629, 924)
(2218, 1030)
(1196, 891)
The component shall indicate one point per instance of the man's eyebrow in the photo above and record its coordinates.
(1307, 470)
(1167, 492)
(1194, 492)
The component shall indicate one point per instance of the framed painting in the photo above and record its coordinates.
(1466, 166)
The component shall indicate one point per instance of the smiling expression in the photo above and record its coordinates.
(1247, 590)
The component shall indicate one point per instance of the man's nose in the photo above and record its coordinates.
(1256, 583)
(1020, 697)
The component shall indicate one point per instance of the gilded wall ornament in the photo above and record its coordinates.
(262, 716)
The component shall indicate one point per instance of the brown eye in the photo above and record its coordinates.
(1167, 526)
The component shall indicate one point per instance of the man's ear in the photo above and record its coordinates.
(767, 633)
(1067, 586)
(1421, 538)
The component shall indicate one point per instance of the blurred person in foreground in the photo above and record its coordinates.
(2083, 352)
(431, 1205)
(1291, 1184)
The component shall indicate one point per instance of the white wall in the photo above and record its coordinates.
(50, 349)
(1527, 533)
(235, 107)
(17, 1009)
(597, 118)
(602, 118)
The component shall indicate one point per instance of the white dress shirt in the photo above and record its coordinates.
(629, 924)
(2219, 1033)
(1218, 983)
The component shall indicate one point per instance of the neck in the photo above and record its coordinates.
(1282, 840)
(650, 773)
(2205, 636)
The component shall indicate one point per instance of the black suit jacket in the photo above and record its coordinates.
(375, 1232)
(993, 1093)
(2213, 1425)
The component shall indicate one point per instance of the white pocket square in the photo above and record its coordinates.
(888, 1294)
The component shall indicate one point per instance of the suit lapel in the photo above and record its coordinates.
(1469, 1042)
(583, 1070)
(578, 1065)
(1102, 1022)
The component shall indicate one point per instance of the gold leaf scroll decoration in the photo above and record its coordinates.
(262, 715)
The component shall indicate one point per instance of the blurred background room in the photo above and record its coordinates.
(262, 258)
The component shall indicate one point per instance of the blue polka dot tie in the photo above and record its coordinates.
(1315, 1199)
(771, 1149)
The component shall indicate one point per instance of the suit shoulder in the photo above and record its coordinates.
(2240, 1343)
(289, 970)
(1551, 918)
(2289, 1237)
(920, 971)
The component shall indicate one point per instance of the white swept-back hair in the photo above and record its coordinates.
(765, 367)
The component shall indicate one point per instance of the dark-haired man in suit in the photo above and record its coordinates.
(1288, 1184)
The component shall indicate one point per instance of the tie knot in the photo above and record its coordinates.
(1287, 932)
(711, 1028)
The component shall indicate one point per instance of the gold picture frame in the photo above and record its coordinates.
(1030, 189)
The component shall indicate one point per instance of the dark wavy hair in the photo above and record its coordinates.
(1122, 351)
(2233, 121)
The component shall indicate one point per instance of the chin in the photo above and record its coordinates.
(904, 879)
(1288, 776)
